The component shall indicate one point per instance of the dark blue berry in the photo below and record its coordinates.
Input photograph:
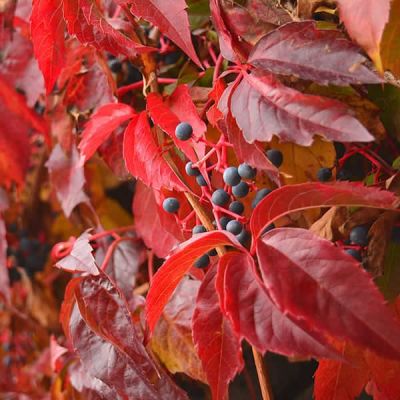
(184, 131)
(171, 205)
(246, 171)
(223, 221)
(354, 253)
(190, 170)
(241, 190)
(231, 176)
(340, 149)
(259, 196)
(202, 262)
(244, 238)
(25, 245)
(234, 227)
(212, 253)
(200, 180)
(236, 207)
(324, 174)
(220, 197)
(115, 65)
(275, 156)
(198, 229)
(359, 235)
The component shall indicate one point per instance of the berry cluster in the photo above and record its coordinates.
(25, 252)
(227, 203)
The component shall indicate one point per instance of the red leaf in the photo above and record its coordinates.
(336, 380)
(288, 199)
(47, 29)
(89, 387)
(288, 50)
(251, 154)
(102, 123)
(80, 259)
(109, 346)
(4, 281)
(177, 265)
(67, 178)
(172, 339)
(231, 48)
(143, 157)
(178, 108)
(384, 374)
(16, 104)
(85, 20)
(256, 318)
(56, 351)
(217, 344)
(14, 148)
(150, 225)
(20, 69)
(264, 107)
(172, 20)
(312, 279)
(124, 265)
(365, 21)
(6, 21)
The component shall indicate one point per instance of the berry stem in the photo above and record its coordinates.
(111, 232)
(263, 376)
(137, 85)
(111, 249)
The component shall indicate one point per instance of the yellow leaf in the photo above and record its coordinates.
(390, 45)
(301, 164)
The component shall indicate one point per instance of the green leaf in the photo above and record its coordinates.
(389, 282)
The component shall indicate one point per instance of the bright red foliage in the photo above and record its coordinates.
(216, 175)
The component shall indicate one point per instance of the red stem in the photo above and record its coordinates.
(137, 85)
(111, 250)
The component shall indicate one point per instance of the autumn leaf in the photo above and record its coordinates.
(68, 178)
(340, 298)
(47, 29)
(390, 46)
(302, 163)
(263, 107)
(102, 330)
(288, 50)
(177, 264)
(177, 108)
(124, 264)
(85, 20)
(245, 300)
(80, 258)
(172, 338)
(365, 21)
(231, 48)
(341, 380)
(303, 196)
(143, 157)
(170, 18)
(102, 123)
(217, 344)
(161, 233)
